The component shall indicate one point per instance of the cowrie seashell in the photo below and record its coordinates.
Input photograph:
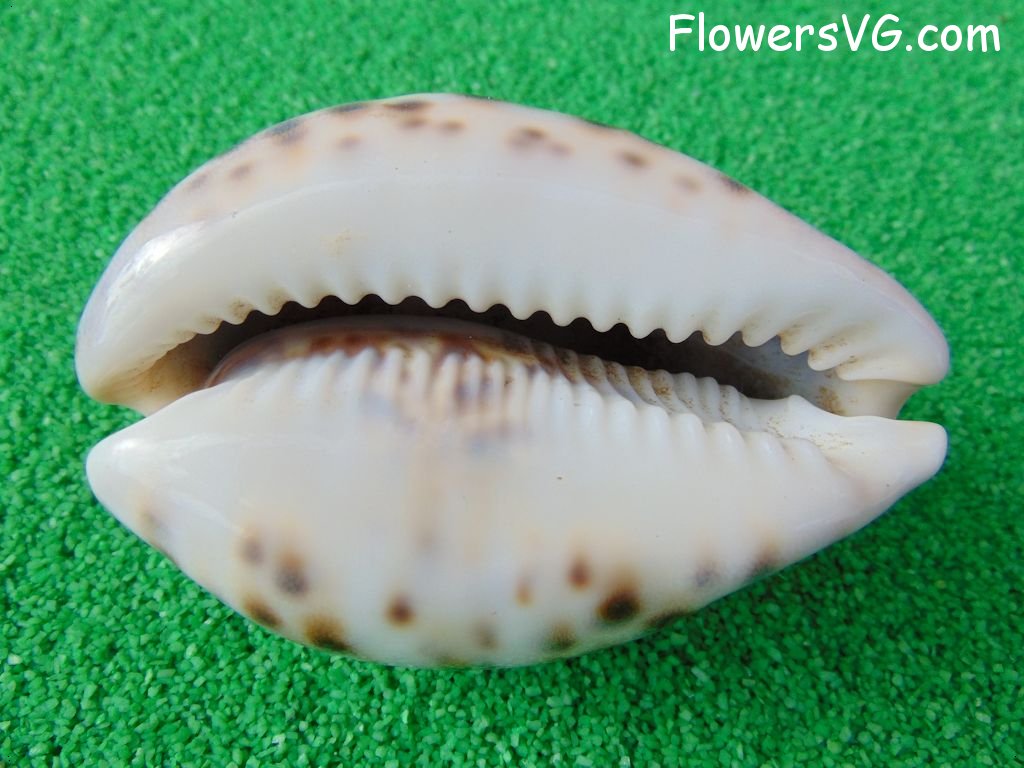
(439, 380)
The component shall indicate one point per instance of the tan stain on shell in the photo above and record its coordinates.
(291, 577)
(526, 137)
(414, 122)
(240, 171)
(561, 639)
(400, 611)
(260, 612)
(451, 126)
(348, 142)
(486, 635)
(524, 592)
(580, 575)
(687, 183)
(251, 549)
(633, 159)
(327, 634)
(766, 562)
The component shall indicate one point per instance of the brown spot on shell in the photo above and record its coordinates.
(561, 639)
(486, 635)
(560, 149)
(288, 132)
(348, 142)
(620, 605)
(524, 592)
(687, 183)
(291, 577)
(526, 137)
(240, 171)
(733, 185)
(414, 122)
(579, 573)
(327, 634)
(408, 105)
(251, 550)
(766, 563)
(705, 576)
(633, 159)
(400, 611)
(197, 181)
(260, 612)
(451, 126)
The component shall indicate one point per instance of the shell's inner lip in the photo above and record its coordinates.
(729, 363)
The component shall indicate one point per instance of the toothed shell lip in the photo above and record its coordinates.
(608, 227)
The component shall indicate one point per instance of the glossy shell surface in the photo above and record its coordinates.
(435, 491)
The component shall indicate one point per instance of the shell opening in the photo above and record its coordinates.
(762, 372)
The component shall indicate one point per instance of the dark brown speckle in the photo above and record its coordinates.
(260, 612)
(291, 577)
(327, 634)
(621, 605)
(400, 612)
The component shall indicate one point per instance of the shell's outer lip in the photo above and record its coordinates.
(427, 503)
(446, 197)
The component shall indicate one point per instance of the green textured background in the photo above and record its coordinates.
(897, 646)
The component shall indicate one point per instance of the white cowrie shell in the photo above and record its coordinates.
(418, 499)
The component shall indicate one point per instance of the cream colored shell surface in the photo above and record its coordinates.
(418, 499)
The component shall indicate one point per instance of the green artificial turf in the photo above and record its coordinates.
(898, 646)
